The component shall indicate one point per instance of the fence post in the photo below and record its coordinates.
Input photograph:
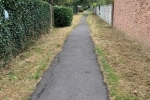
(51, 17)
(112, 15)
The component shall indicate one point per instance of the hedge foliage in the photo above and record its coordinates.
(63, 16)
(28, 20)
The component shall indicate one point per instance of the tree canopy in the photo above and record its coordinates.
(104, 2)
(79, 2)
(63, 2)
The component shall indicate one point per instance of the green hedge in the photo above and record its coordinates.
(28, 20)
(63, 16)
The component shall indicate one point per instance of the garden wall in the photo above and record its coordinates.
(132, 17)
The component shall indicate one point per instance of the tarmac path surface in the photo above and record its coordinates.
(75, 73)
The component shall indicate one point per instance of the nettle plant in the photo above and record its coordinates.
(28, 19)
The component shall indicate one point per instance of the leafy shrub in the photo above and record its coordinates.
(28, 20)
(105, 2)
(62, 16)
(94, 4)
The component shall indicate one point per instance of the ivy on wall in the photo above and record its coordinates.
(28, 19)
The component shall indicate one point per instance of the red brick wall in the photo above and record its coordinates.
(133, 18)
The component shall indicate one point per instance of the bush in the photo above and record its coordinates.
(62, 16)
(28, 20)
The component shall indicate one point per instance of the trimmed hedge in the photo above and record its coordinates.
(63, 16)
(28, 20)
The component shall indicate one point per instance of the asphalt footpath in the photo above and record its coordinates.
(75, 73)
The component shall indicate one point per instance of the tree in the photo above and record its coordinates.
(50, 1)
(61, 2)
(104, 2)
(58, 2)
(79, 2)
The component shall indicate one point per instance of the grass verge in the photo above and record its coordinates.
(125, 63)
(111, 77)
(19, 78)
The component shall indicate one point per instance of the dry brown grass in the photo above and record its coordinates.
(127, 58)
(19, 78)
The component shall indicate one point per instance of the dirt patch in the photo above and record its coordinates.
(19, 78)
(128, 59)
